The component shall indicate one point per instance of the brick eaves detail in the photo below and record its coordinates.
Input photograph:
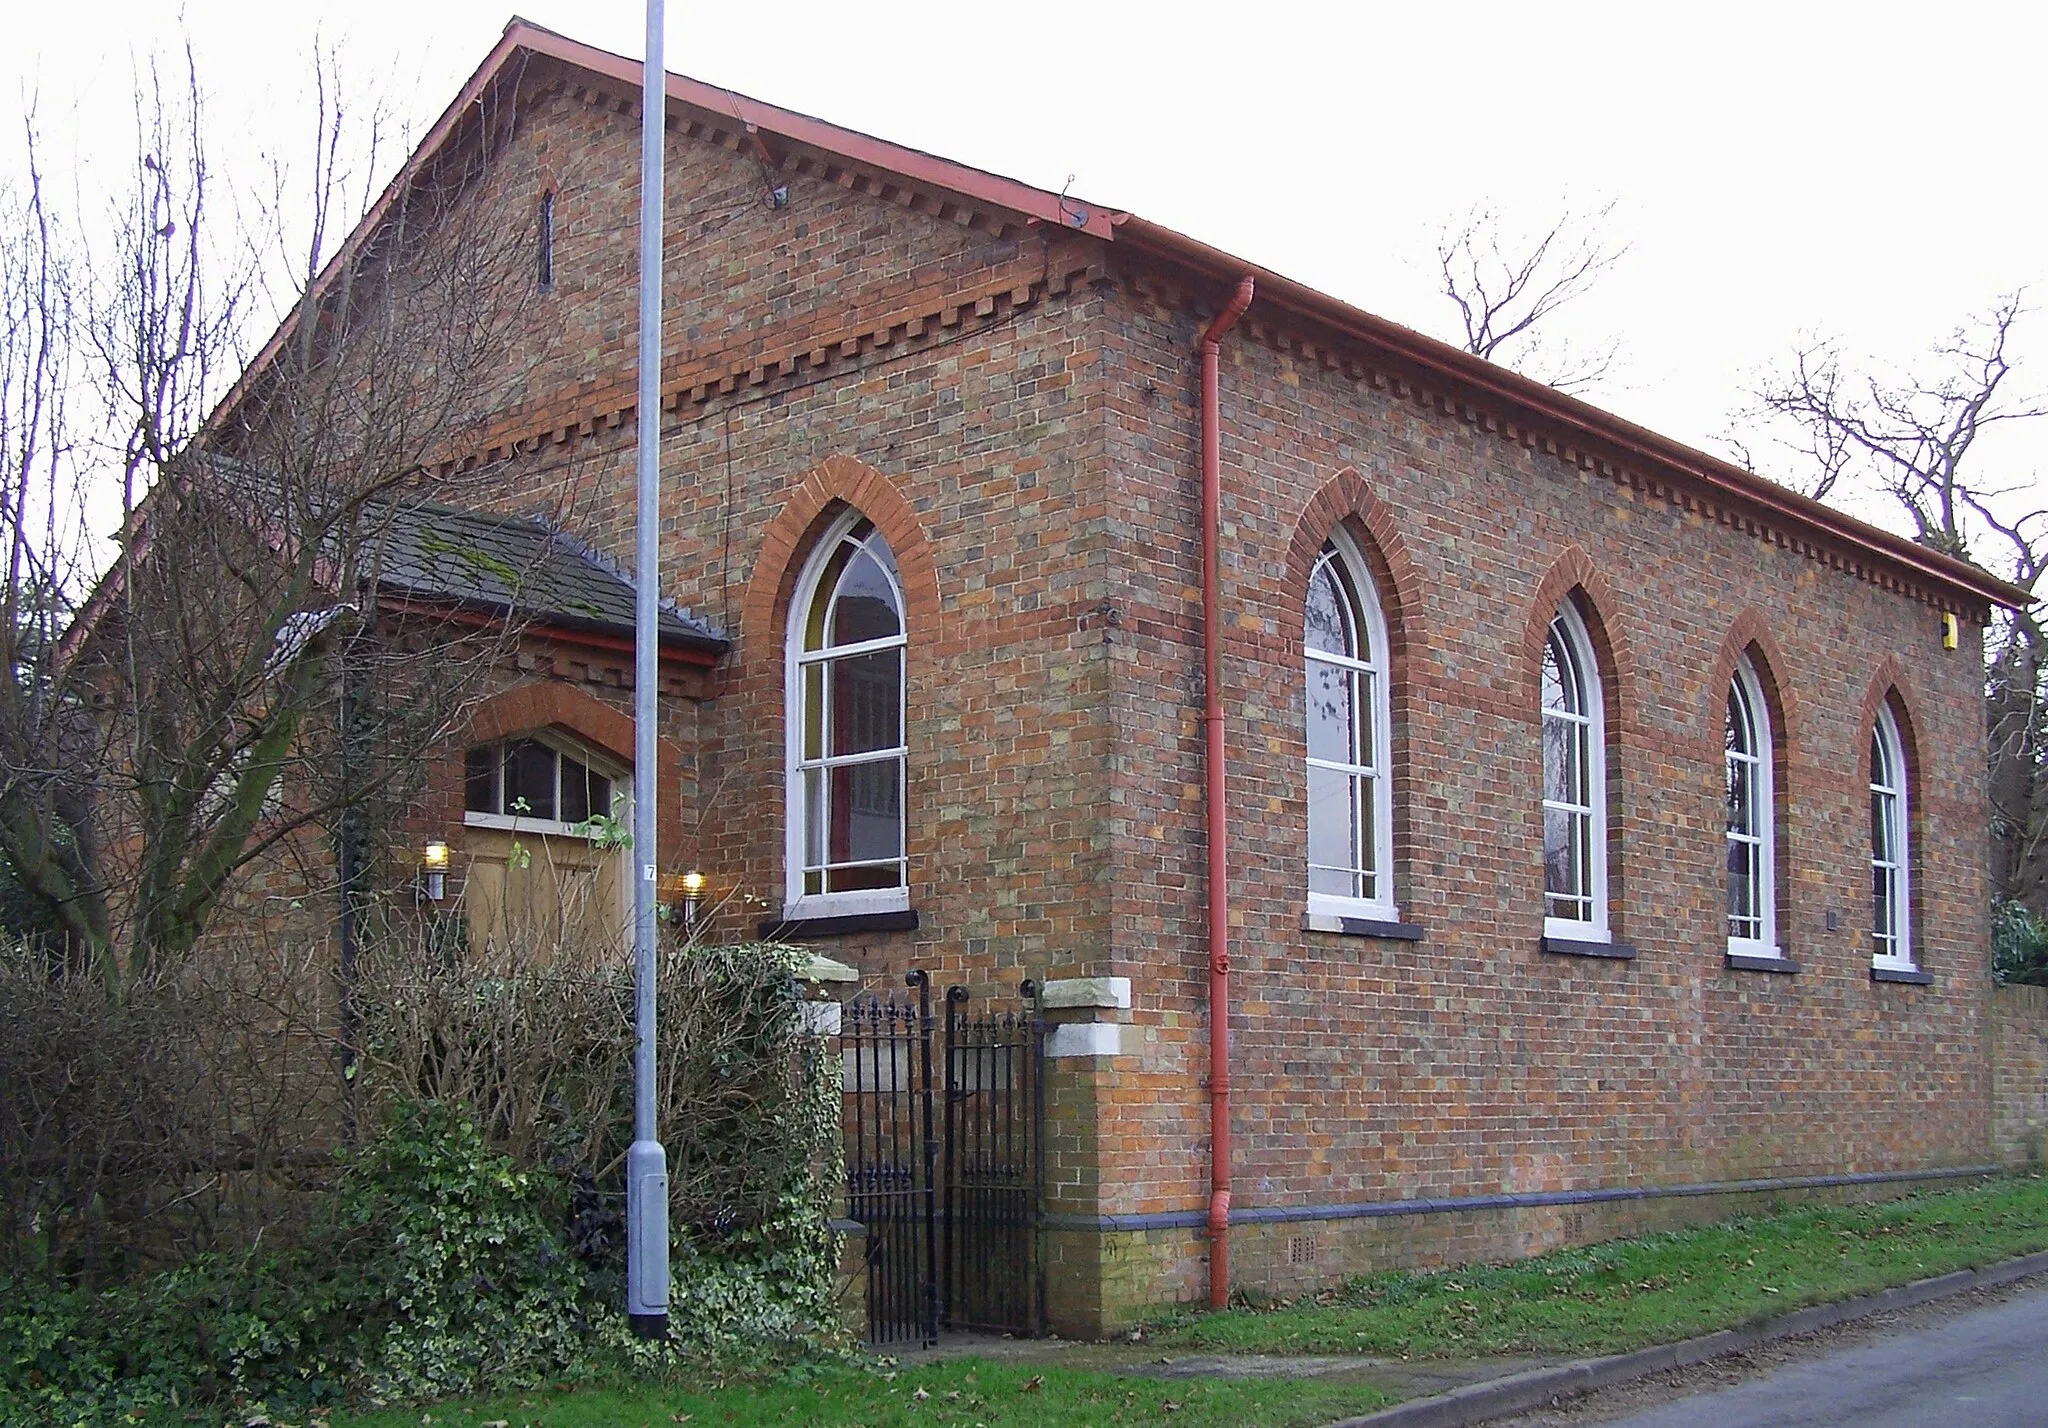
(1349, 358)
(924, 319)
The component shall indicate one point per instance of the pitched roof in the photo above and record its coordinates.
(521, 566)
(771, 132)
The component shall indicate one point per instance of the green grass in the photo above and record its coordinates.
(961, 1392)
(1631, 1293)
(1603, 1299)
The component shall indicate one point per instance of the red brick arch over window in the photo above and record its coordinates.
(1749, 629)
(1889, 685)
(1347, 500)
(827, 488)
(1575, 570)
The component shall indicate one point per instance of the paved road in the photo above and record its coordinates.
(1985, 1369)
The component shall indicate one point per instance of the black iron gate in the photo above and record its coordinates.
(944, 1155)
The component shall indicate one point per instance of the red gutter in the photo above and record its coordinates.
(1213, 769)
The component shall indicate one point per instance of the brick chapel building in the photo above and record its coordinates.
(1603, 834)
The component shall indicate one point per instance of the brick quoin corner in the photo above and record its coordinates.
(1005, 383)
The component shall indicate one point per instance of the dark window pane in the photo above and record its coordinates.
(1560, 679)
(1741, 796)
(866, 607)
(867, 702)
(1741, 740)
(1332, 732)
(480, 777)
(1560, 774)
(600, 796)
(530, 776)
(867, 811)
(1333, 826)
(575, 791)
(1329, 613)
(887, 875)
(1563, 873)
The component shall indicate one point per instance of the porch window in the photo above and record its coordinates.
(531, 784)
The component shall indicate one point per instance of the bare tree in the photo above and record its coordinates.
(1507, 285)
(229, 685)
(1913, 438)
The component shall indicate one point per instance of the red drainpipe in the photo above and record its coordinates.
(1212, 722)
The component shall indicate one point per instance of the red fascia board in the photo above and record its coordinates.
(971, 183)
(864, 149)
(675, 648)
(1458, 366)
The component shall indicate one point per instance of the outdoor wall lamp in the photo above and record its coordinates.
(434, 864)
(693, 895)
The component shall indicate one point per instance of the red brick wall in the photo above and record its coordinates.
(1469, 1063)
(1016, 412)
(2019, 1069)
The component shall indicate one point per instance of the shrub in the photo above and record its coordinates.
(472, 1239)
(2019, 944)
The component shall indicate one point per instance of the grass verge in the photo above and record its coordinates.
(1628, 1294)
(962, 1392)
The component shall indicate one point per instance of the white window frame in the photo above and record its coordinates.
(852, 902)
(1592, 700)
(1764, 803)
(1885, 731)
(620, 775)
(1379, 775)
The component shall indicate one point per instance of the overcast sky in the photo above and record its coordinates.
(1872, 171)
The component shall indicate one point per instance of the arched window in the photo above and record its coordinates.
(1574, 785)
(1752, 820)
(1350, 803)
(845, 728)
(1890, 853)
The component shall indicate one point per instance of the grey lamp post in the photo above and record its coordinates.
(646, 1161)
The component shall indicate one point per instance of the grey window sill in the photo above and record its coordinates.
(1744, 962)
(1570, 947)
(807, 929)
(1912, 978)
(1361, 927)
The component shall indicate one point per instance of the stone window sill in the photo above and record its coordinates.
(1911, 976)
(1571, 947)
(808, 929)
(1361, 927)
(1749, 962)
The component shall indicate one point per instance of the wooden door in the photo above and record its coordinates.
(533, 895)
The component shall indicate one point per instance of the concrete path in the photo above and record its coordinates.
(1985, 1369)
(1404, 1378)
